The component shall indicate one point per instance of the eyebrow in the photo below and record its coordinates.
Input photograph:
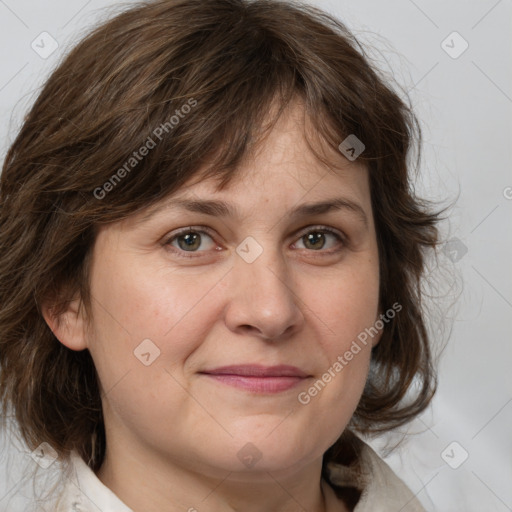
(223, 209)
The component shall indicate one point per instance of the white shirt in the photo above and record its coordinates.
(381, 490)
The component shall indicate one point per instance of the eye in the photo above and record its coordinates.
(191, 240)
(197, 240)
(317, 238)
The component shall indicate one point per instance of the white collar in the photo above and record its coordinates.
(85, 492)
(381, 489)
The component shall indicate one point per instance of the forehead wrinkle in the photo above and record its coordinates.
(213, 208)
(217, 208)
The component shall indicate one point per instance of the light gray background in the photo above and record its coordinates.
(465, 106)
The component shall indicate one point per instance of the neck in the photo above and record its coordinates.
(147, 483)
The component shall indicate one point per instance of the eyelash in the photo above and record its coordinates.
(203, 230)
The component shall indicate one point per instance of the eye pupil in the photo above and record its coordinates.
(313, 239)
(191, 241)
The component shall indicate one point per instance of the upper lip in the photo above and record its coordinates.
(252, 370)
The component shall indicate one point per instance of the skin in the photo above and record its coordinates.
(173, 434)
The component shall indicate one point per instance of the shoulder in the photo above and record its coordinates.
(367, 476)
(80, 489)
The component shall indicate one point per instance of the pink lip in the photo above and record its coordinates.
(263, 379)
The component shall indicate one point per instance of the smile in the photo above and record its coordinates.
(258, 379)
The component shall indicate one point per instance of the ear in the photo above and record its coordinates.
(379, 325)
(68, 327)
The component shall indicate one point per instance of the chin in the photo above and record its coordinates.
(263, 453)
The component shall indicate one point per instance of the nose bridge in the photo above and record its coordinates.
(266, 274)
(264, 298)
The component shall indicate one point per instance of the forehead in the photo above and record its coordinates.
(281, 172)
(285, 152)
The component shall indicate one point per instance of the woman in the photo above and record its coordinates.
(210, 266)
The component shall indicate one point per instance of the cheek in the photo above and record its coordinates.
(133, 303)
(346, 304)
(344, 309)
(146, 324)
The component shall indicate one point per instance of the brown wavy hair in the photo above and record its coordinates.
(129, 76)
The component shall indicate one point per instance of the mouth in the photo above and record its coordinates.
(258, 379)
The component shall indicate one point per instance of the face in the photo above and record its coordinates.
(219, 338)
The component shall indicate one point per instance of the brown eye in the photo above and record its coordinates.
(191, 241)
(314, 240)
(319, 239)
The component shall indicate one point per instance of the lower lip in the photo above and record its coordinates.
(257, 384)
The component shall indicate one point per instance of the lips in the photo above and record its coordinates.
(257, 378)
(258, 371)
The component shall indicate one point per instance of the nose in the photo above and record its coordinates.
(262, 299)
